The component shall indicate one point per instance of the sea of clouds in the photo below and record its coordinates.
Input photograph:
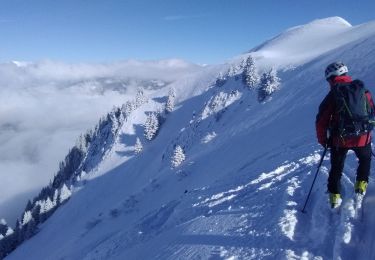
(45, 106)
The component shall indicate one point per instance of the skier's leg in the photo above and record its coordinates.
(364, 162)
(338, 156)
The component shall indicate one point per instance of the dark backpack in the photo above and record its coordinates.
(355, 114)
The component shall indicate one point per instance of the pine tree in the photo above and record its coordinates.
(47, 205)
(36, 213)
(3, 227)
(250, 74)
(178, 156)
(9, 232)
(18, 230)
(29, 229)
(269, 83)
(84, 142)
(138, 146)
(56, 200)
(4, 247)
(9, 241)
(29, 206)
(140, 98)
(65, 193)
(27, 216)
(170, 100)
(127, 109)
(236, 69)
(221, 79)
(151, 126)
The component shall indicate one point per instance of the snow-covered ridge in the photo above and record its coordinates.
(314, 29)
(330, 22)
(246, 171)
(305, 42)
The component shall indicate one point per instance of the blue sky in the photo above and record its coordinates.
(201, 31)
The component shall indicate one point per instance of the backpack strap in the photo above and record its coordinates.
(360, 84)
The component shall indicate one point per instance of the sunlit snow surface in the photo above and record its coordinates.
(248, 169)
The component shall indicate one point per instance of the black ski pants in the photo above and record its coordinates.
(338, 155)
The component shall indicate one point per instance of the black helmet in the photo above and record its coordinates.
(336, 69)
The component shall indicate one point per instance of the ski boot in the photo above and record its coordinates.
(335, 200)
(360, 187)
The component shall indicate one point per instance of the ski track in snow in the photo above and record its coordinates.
(228, 224)
(330, 233)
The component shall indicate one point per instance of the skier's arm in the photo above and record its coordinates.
(323, 119)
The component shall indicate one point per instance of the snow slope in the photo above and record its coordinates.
(248, 169)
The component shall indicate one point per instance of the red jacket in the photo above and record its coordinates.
(327, 117)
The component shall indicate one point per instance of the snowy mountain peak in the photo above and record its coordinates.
(330, 24)
(333, 21)
(302, 43)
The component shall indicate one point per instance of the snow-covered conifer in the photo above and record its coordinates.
(40, 203)
(140, 98)
(250, 74)
(55, 200)
(3, 227)
(178, 156)
(9, 232)
(231, 71)
(47, 205)
(127, 108)
(138, 147)
(27, 216)
(83, 142)
(82, 175)
(151, 126)
(235, 69)
(269, 83)
(170, 100)
(65, 193)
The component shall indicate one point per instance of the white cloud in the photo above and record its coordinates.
(44, 107)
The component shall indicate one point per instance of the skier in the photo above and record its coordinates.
(344, 123)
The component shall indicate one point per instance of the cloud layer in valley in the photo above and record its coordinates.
(45, 106)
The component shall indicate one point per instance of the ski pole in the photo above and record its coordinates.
(316, 174)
